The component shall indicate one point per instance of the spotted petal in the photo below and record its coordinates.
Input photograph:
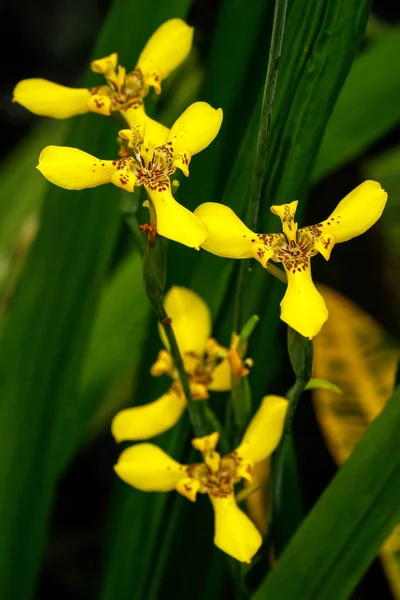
(148, 468)
(264, 430)
(235, 533)
(174, 221)
(357, 212)
(227, 235)
(100, 103)
(74, 169)
(191, 320)
(49, 99)
(144, 422)
(195, 129)
(166, 49)
(303, 307)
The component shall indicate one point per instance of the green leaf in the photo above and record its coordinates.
(119, 330)
(116, 325)
(339, 539)
(138, 521)
(354, 351)
(374, 80)
(322, 384)
(21, 188)
(384, 167)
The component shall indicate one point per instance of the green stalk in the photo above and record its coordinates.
(130, 205)
(196, 415)
(260, 162)
(300, 351)
(154, 276)
(293, 396)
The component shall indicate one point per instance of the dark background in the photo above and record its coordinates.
(54, 40)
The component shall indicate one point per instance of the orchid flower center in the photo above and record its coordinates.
(217, 476)
(124, 89)
(152, 165)
(294, 254)
(199, 369)
(294, 247)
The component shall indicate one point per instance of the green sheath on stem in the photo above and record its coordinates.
(301, 358)
(154, 277)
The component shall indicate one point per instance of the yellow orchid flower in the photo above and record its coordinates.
(148, 468)
(152, 157)
(302, 307)
(206, 364)
(166, 49)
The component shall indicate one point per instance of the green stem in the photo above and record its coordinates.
(277, 464)
(196, 414)
(260, 163)
(300, 351)
(133, 223)
(154, 277)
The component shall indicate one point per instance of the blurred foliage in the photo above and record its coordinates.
(356, 354)
(78, 337)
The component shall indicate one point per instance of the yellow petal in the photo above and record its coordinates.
(105, 65)
(196, 128)
(49, 99)
(227, 235)
(235, 534)
(182, 161)
(73, 169)
(262, 250)
(221, 377)
(303, 307)
(174, 221)
(134, 136)
(356, 213)
(286, 213)
(188, 487)
(324, 244)
(191, 320)
(213, 461)
(148, 468)
(199, 390)
(207, 443)
(144, 422)
(124, 179)
(155, 134)
(164, 363)
(265, 430)
(166, 49)
(100, 104)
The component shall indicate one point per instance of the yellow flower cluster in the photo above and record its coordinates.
(153, 153)
(149, 153)
(209, 367)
